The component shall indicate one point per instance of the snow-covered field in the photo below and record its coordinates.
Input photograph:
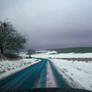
(53, 54)
(77, 73)
(9, 67)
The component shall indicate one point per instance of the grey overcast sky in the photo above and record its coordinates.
(50, 23)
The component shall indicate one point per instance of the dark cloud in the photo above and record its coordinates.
(50, 23)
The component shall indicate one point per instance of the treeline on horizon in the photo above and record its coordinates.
(74, 50)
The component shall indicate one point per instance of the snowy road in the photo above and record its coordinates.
(39, 75)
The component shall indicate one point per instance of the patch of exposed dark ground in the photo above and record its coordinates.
(10, 56)
(77, 59)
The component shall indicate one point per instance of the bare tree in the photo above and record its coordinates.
(30, 52)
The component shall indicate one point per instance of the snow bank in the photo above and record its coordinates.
(10, 67)
(77, 74)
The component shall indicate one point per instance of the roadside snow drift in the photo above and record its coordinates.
(10, 67)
